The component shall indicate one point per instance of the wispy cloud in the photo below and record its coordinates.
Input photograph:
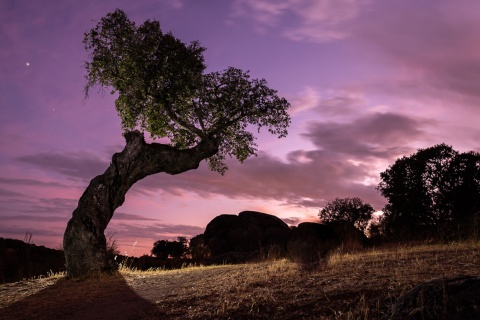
(379, 135)
(154, 231)
(135, 217)
(35, 218)
(302, 20)
(83, 166)
(434, 47)
(31, 182)
(345, 163)
(9, 193)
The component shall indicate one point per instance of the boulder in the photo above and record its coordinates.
(249, 233)
(310, 242)
(450, 298)
(348, 237)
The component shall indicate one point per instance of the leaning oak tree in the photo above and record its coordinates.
(163, 90)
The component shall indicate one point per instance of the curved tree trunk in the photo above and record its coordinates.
(84, 241)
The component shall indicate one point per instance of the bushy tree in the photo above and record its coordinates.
(163, 90)
(431, 192)
(164, 249)
(198, 248)
(351, 210)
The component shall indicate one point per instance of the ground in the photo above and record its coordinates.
(346, 286)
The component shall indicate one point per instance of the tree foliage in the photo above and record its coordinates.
(351, 210)
(430, 191)
(162, 89)
(198, 248)
(164, 249)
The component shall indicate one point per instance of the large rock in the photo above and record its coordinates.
(310, 242)
(247, 234)
(348, 237)
(455, 298)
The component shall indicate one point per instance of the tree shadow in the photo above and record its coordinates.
(105, 297)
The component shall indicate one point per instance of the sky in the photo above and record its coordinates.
(369, 81)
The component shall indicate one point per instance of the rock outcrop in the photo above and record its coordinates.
(451, 298)
(247, 235)
(310, 242)
(253, 234)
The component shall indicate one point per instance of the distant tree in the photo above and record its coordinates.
(198, 248)
(430, 191)
(163, 90)
(179, 248)
(351, 210)
(160, 249)
(164, 249)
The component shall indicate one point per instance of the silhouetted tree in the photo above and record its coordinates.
(430, 191)
(164, 249)
(160, 249)
(198, 248)
(351, 210)
(162, 89)
(464, 199)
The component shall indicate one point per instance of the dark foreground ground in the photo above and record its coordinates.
(347, 286)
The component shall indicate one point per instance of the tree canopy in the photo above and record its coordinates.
(198, 248)
(351, 210)
(162, 89)
(164, 249)
(434, 190)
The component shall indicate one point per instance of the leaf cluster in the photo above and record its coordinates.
(162, 89)
(351, 210)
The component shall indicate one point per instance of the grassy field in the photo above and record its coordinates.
(361, 285)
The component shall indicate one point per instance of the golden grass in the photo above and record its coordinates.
(360, 285)
(347, 286)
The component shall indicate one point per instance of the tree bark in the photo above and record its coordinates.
(84, 241)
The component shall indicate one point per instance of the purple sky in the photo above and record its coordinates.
(369, 81)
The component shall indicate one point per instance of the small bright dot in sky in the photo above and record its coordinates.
(27, 64)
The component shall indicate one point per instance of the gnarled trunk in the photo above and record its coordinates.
(84, 241)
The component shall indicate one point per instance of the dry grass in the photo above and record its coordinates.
(346, 286)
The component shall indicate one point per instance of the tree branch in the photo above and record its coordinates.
(184, 125)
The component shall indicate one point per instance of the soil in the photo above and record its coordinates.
(347, 286)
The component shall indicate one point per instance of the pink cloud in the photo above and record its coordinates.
(437, 43)
(302, 20)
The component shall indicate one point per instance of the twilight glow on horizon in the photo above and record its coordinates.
(369, 81)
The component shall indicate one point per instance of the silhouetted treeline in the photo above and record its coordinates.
(20, 260)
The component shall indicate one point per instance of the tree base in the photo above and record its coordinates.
(85, 252)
